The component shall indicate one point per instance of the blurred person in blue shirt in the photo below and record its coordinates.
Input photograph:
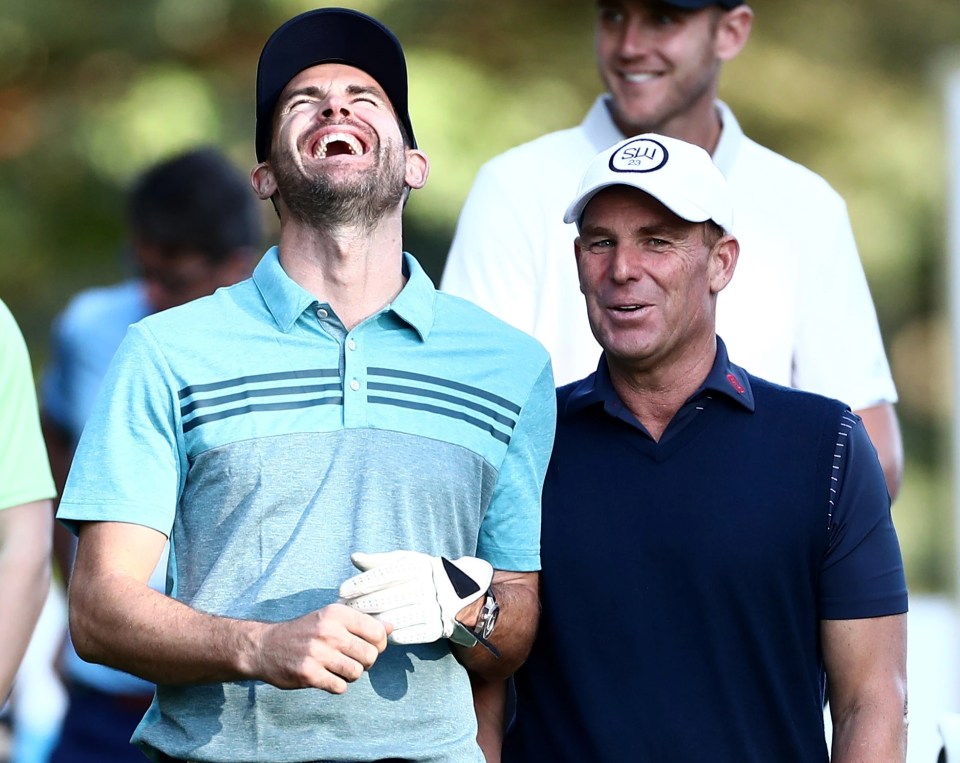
(194, 226)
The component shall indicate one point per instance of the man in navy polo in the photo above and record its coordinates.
(716, 549)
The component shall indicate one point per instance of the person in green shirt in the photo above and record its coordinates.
(26, 518)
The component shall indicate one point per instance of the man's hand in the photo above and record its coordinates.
(327, 649)
(419, 595)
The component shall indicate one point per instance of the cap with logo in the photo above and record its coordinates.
(679, 175)
(329, 35)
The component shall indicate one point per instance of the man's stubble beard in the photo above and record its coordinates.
(361, 200)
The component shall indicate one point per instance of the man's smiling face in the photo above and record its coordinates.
(337, 150)
(650, 279)
(658, 62)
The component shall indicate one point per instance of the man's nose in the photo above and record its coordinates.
(636, 37)
(625, 265)
(336, 106)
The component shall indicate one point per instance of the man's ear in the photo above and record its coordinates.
(732, 33)
(263, 182)
(723, 261)
(418, 168)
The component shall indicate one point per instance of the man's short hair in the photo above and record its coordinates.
(196, 201)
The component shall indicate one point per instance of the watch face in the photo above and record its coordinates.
(488, 616)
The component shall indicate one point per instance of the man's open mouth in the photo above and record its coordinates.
(337, 144)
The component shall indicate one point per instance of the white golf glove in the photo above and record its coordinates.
(420, 595)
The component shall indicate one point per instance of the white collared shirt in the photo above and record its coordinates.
(797, 312)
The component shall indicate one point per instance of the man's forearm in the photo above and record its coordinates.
(25, 533)
(118, 620)
(866, 663)
(490, 706)
(133, 628)
(516, 628)
(872, 733)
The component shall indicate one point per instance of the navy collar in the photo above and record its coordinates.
(287, 300)
(724, 378)
(727, 379)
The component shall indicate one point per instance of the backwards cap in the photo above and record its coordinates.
(329, 35)
(679, 175)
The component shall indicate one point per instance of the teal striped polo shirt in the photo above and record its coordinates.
(269, 443)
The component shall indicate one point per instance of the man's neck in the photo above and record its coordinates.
(357, 271)
(655, 392)
(701, 125)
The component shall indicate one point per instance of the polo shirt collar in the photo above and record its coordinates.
(724, 378)
(416, 302)
(287, 300)
(595, 388)
(731, 138)
(727, 379)
(599, 126)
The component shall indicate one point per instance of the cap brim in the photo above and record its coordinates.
(682, 208)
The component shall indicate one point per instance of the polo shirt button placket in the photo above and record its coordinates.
(354, 374)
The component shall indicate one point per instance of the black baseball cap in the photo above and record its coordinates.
(696, 5)
(329, 35)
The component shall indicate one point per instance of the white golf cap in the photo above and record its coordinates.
(679, 175)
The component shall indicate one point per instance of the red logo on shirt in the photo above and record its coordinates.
(735, 384)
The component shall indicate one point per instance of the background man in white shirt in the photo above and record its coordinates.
(800, 311)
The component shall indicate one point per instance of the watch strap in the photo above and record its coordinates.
(470, 637)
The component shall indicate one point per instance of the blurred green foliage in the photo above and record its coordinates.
(94, 91)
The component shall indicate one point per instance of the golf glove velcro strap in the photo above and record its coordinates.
(420, 595)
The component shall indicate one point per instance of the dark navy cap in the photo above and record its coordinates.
(329, 35)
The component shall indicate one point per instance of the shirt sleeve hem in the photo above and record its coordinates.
(860, 610)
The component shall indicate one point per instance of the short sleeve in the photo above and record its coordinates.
(510, 532)
(130, 461)
(862, 574)
(24, 469)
